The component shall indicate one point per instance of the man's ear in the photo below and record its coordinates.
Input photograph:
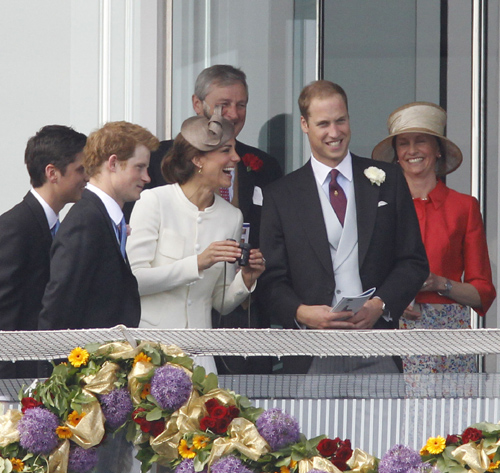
(52, 173)
(303, 124)
(113, 163)
(197, 105)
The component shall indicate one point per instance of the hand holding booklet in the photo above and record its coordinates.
(353, 303)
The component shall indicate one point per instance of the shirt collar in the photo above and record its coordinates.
(322, 171)
(49, 212)
(112, 207)
(438, 195)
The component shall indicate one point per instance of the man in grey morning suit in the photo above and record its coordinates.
(318, 250)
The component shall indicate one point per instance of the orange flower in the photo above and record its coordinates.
(142, 357)
(185, 451)
(63, 432)
(74, 418)
(17, 465)
(145, 390)
(494, 466)
(200, 441)
(78, 357)
(284, 469)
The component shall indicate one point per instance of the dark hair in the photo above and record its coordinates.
(120, 138)
(53, 144)
(319, 89)
(221, 75)
(177, 166)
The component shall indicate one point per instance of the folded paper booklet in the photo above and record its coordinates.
(353, 303)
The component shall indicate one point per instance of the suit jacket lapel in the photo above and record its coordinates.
(40, 216)
(310, 214)
(367, 196)
(246, 184)
(109, 223)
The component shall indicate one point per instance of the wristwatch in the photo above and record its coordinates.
(447, 289)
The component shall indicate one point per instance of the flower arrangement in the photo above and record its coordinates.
(178, 416)
(252, 162)
(375, 175)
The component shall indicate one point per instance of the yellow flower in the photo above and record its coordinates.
(293, 464)
(435, 445)
(142, 357)
(284, 469)
(424, 451)
(74, 418)
(200, 441)
(145, 391)
(17, 465)
(494, 466)
(78, 357)
(185, 451)
(64, 432)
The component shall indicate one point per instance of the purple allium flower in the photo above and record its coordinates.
(171, 387)
(424, 468)
(278, 428)
(82, 460)
(229, 464)
(116, 407)
(37, 431)
(399, 459)
(187, 466)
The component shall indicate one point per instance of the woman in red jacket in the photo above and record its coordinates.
(452, 231)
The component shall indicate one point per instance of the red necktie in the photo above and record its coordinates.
(224, 193)
(337, 197)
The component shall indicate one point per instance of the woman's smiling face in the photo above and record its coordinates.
(217, 166)
(417, 153)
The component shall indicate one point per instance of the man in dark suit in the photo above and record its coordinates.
(327, 234)
(54, 161)
(227, 86)
(91, 284)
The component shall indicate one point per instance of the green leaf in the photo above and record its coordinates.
(198, 375)
(154, 414)
(211, 382)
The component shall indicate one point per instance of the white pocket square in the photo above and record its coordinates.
(258, 198)
(382, 203)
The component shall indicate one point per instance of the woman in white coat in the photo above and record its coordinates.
(184, 237)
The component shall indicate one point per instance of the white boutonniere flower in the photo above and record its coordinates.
(376, 175)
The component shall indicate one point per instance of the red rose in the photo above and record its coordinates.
(327, 447)
(344, 452)
(157, 427)
(29, 403)
(207, 423)
(233, 412)
(452, 440)
(221, 425)
(219, 412)
(211, 404)
(252, 162)
(342, 466)
(471, 435)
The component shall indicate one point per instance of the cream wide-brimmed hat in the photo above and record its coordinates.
(207, 134)
(419, 117)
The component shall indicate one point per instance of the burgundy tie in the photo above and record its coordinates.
(224, 193)
(337, 197)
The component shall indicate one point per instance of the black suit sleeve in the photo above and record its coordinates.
(13, 254)
(72, 268)
(409, 268)
(276, 292)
